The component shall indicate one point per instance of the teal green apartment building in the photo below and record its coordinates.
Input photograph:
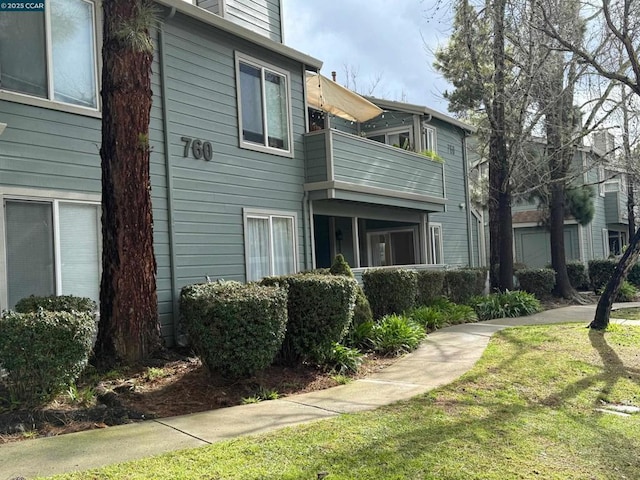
(249, 177)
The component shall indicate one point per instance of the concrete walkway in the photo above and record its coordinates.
(443, 357)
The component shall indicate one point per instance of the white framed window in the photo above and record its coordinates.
(269, 243)
(436, 256)
(51, 54)
(264, 113)
(429, 139)
(401, 138)
(51, 247)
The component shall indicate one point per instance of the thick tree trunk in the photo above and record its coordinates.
(630, 257)
(500, 221)
(563, 286)
(128, 329)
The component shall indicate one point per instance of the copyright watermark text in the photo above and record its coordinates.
(22, 6)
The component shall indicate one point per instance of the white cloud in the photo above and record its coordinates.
(393, 40)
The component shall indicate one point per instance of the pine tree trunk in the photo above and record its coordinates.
(500, 221)
(128, 329)
(563, 286)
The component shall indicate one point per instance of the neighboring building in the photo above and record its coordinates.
(605, 235)
(241, 186)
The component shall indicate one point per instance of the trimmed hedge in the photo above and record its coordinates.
(320, 310)
(430, 286)
(362, 309)
(390, 290)
(44, 351)
(600, 271)
(235, 329)
(52, 303)
(578, 275)
(538, 281)
(464, 283)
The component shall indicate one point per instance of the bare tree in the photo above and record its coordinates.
(613, 54)
(128, 329)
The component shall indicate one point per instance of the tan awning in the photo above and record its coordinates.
(329, 96)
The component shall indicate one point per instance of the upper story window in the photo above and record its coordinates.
(430, 139)
(51, 54)
(263, 104)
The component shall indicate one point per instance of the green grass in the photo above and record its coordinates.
(526, 410)
(627, 313)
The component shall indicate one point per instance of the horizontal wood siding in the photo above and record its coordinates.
(49, 149)
(316, 157)
(454, 219)
(372, 164)
(261, 16)
(209, 197)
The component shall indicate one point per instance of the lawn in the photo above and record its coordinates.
(531, 408)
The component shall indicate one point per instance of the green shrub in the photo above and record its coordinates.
(600, 271)
(53, 303)
(430, 318)
(340, 267)
(442, 312)
(395, 334)
(430, 284)
(362, 310)
(538, 281)
(508, 304)
(578, 275)
(390, 290)
(627, 293)
(320, 309)
(235, 329)
(343, 360)
(43, 352)
(633, 276)
(359, 336)
(463, 283)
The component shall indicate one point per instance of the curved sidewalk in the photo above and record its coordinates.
(443, 357)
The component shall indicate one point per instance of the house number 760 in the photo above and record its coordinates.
(198, 148)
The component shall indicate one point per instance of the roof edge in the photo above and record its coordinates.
(217, 21)
(421, 110)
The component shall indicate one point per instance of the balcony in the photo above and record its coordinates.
(615, 204)
(343, 166)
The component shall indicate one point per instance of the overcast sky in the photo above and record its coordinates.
(393, 40)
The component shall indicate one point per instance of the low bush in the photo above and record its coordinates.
(235, 329)
(442, 312)
(43, 352)
(362, 310)
(508, 304)
(396, 334)
(627, 293)
(538, 281)
(53, 303)
(320, 310)
(390, 290)
(600, 271)
(463, 283)
(359, 336)
(343, 360)
(634, 275)
(430, 286)
(430, 318)
(578, 275)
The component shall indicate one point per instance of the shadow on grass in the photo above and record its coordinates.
(605, 446)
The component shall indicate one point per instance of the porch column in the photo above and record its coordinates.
(424, 238)
(356, 241)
